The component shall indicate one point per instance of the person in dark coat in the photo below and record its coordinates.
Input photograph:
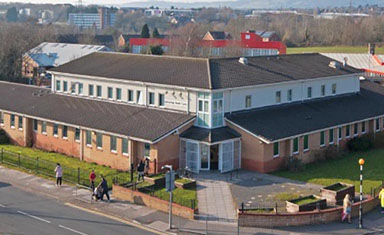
(104, 186)
(140, 170)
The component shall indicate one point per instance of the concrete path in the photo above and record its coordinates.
(214, 197)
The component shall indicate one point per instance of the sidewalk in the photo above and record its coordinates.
(155, 220)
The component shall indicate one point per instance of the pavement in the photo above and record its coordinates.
(69, 206)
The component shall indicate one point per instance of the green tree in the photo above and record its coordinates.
(156, 50)
(145, 32)
(155, 33)
(11, 15)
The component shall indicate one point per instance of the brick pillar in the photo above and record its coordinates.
(27, 132)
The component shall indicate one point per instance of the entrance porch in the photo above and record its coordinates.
(205, 149)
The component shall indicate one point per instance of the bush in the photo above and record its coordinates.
(4, 139)
(379, 140)
(363, 143)
(331, 152)
(294, 164)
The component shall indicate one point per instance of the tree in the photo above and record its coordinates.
(155, 33)
(145, 32)
(11, 15)
(156, 50)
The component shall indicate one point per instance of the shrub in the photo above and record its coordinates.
(331, 152)
(379, 140)
(294, 164)
(4, 139)
(363, 143)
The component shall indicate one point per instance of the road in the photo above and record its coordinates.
(26, 213)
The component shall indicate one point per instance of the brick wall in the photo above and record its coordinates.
(16, 135)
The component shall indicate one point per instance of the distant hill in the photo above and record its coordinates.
(256, 4)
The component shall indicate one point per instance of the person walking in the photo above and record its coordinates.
(347, 208)
(104, 186)
(381, 197)
(59, 175)
(92, 177)
(140, 170)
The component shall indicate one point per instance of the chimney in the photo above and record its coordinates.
(243, 60)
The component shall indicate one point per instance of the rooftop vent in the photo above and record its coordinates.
(243, 60)
(334, 64)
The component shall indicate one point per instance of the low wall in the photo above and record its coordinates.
(303, 218)
(136, 197)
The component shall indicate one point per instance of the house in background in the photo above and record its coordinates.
(124, 39)
(49, 55)
(217, 35)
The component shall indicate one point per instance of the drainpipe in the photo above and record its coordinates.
(81, 144)
(188, 103)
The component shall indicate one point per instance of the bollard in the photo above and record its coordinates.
(78, 175)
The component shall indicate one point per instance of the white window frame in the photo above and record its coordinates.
(278, 97)
(323, 90)
(129, 91)
(18, 123)
(305, 149)
(161, 99)
(340, 133)
(334, 89)
(100, 96)
(363, 127)
(91, 88)
(322, 144)
(278, 150)
(53, 130)
(118, 98)
(151, 95)
(62, 133)
(250, 101)
(349, 134)
(293, 145)
(110, 143)
(97, 142)
(289, 95)
(333, 136)
(2, 119)
(86, 138)
(13, 116)
(110, 93)
(377, 127)
(309, 92)
(122, 146)
(355, 130)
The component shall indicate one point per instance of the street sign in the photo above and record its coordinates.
(170, 181)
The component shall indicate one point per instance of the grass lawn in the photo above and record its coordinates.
(305, 200)
(184, 181)
(345, 169)
(48, 160)
(336, 49)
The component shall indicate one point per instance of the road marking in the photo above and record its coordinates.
(117, 219)
(35, 217)
(1, 205)
(72, 230)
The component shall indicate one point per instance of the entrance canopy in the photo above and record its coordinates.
(210, 136)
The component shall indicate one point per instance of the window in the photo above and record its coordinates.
(65, 132)
(309, 92)
(113, 143)
(276, 149)
(80, 89)
(296, 145)
(306, 146)
(58, 87)
(161, 100)
(44, 127)
(35, 125)
(130, 96)
(334, 88)
(73, 87)
(248, 101)
(118, 93)
(278, 96)
(99, 91)
(347, 131)
(77, 134)
(331, 136)
(147, 148)
(340, 135)
(110, 93)
(88, 138)
(20, 122)
(363, 127)
(151, 98)
(65, 86)
(12, 120)
(90, 90)
(289, 95)
(322, 90)
(99, 140)
(322, 138)
(124, 146)
(203, 113)
(55, 129)
(355, 129)
(1, 118)
(377, 124)
(138, 97)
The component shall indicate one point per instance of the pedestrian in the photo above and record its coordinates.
(59, 175)
(104, 186)
(140, 170)
(92, 177)
(381, 197)
(347, 208)
(147, 166)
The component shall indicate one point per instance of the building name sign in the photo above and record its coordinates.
(173, 102)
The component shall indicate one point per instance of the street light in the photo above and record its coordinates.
(170, 189)
(361, 163)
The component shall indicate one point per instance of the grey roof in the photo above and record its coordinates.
(358, 60)
(49, 54)
(204, 73)
(133, 121)
(285, 121)
(210, 135)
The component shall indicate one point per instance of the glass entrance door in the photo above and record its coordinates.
(204, 157)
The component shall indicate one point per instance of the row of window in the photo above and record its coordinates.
(112, 93)
(278, 95)
(295, 141)
(55, 129)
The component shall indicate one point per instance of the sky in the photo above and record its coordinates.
(105, 2)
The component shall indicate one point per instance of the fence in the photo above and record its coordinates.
(46, 168)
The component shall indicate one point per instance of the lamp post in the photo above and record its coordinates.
(361, 163)
(169, 187)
